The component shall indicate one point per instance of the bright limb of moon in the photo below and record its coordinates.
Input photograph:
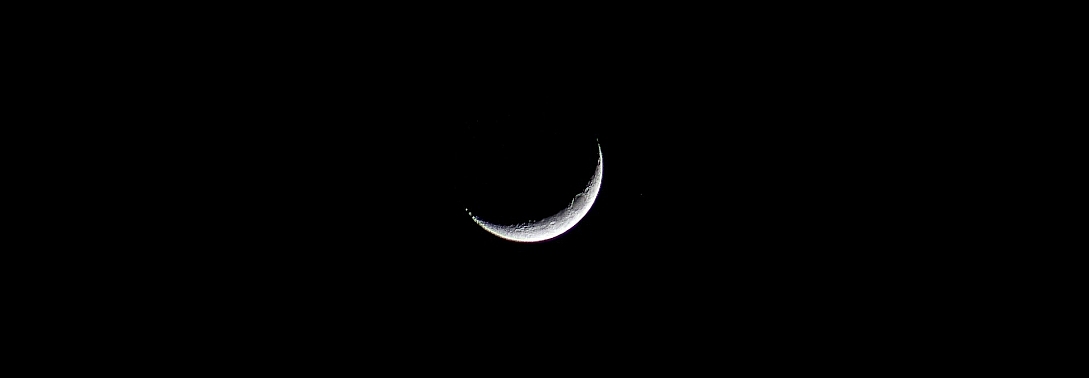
(555, 225)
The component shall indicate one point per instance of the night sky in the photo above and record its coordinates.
(758, 179)
(685, 184)
(741, 210)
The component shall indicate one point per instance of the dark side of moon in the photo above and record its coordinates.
(530, 187)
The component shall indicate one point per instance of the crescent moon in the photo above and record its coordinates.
(555, 225)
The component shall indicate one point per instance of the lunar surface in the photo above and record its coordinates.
(555, 225)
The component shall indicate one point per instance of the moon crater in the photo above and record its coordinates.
(552, 226)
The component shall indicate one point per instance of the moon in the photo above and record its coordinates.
(555, 225)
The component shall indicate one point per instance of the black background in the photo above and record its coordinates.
(716, 160)
(757, 178)
(697, 192)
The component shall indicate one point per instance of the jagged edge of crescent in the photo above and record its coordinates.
(555, 225)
